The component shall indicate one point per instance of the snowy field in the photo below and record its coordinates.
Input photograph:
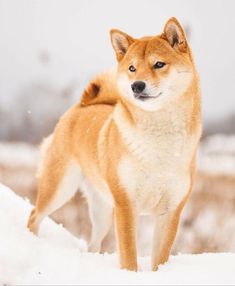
(57, 257)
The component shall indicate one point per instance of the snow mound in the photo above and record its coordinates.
(58, 258)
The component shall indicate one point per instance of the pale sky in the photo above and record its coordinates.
(75, 36)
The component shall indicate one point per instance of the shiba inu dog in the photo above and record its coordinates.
(130, 144)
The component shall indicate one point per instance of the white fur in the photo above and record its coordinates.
(151, 170)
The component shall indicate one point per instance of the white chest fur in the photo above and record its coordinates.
(157, 162)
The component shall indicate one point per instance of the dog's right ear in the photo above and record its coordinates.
(175, 35)
(120, 42)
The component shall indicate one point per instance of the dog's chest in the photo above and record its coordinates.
(156, 162)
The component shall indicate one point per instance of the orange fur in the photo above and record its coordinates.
(121, 145)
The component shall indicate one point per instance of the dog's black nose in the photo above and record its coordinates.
(138, 86)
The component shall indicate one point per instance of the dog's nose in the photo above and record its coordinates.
(138, 86)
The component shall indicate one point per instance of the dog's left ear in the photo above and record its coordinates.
(120, 42)
(175, 35)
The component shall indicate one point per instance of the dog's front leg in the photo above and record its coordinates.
(164, 235)
(165, 230)
(125, 220)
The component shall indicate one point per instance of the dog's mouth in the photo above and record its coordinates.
(144, 96)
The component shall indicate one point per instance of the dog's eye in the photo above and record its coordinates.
(159, 65)
(132, 69)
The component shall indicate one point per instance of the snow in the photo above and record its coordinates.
(57, 257)
(217, 155)
(18, 154)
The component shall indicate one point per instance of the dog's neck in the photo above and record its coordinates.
(181, 115)
(173, 113)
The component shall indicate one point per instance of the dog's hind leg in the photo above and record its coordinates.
(57, 184)
(101, 216)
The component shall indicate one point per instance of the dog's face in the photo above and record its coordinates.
(152, 71)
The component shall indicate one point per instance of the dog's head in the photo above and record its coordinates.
(153, 70)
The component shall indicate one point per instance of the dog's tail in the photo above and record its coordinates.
(101, 90)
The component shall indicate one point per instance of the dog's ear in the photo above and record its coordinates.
(120, 42)
(175, 35)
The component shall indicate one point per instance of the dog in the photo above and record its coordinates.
(130, 144)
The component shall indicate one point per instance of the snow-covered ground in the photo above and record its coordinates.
(57, 257)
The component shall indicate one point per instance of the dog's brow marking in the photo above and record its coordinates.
(145, 49)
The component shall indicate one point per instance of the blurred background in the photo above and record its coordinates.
(50, 49)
